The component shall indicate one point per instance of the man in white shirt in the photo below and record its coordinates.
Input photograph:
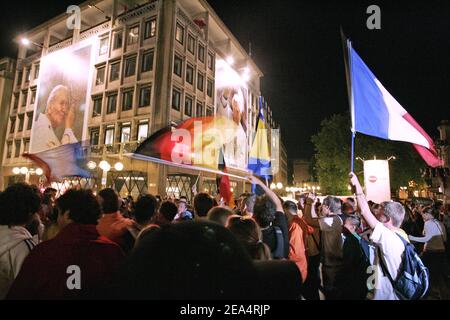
(58, 113)
(386, 236)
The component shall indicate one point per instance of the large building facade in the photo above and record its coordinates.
(130, 71)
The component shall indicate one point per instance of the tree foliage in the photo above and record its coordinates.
(332, 159)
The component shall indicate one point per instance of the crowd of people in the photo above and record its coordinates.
(81, 245)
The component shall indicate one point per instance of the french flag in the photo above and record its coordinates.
(375, 112)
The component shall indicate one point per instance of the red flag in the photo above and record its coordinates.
(224, 183)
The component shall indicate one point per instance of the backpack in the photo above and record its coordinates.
(278, 253)
(413, 277)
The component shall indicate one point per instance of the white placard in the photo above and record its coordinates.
(376, 180)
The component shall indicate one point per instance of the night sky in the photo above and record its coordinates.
(297, 46)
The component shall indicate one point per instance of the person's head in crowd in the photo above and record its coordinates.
(391, 214)
(264, 211)
(185, 199)
(182, 206)
(354, 206)
(240, 202)
(347, 208)
(290, 208)
(331, 205)
(195, 261)
(77, 206)
(203, 202)
(248, 233)
(219, 215)
(168, 210)
(18, 203)
(352, 223)
(248, 204)
(158, 197)
(50, 193)
(430, 213)
(145, 208)
(109, 201)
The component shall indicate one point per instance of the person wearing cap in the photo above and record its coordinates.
(183, 213)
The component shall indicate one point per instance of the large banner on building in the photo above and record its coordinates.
(63, 91)
(376, 180)
(232, 103)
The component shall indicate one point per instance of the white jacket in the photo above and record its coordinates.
(15, 245)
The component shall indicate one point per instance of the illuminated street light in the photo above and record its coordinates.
(232, 189)
(279, 186)
(119, 166)
(91, 165)
(318, 188)
(16, 170)
(39, 172)
(104, 165)
(230, 60)
(25, 41)
(273, 186)
(288, 189)
(24, 170)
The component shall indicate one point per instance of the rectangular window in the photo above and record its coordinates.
(209, 88)
(133, 35)
(95, 136)
(100, 77)
(147, 61)
(178, 66)
(19, 78)
(188, 106)
(97, 108)
(150, 29)
(27, 74)
(103, 46)
(201, 53)
(12, 126)
(127, 100)
(125, 133)
(130, 66)
(190, 74)
(199, 109)
(26, 145)
(117, 40)
(114, 71)
(144, 96)
(109, 135)
(200, 82)
(33, 97)
(16, 100)
(21, 121)
(179, 34)
(176, 99)
(191, 44)
(29, 120)
(209, 111)
(142, 133)
(17, 148)
(210, 61)
(36, 71)
(9, 150)
(112, 103)
(24, 98)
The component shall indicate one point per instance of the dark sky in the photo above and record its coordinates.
(297, 45)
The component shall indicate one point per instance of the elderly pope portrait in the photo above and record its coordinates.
(59, 113)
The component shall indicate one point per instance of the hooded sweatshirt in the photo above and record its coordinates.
(15, 245)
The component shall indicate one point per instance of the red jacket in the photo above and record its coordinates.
(44, 274)
(299, 230)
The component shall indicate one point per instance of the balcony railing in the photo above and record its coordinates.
(117, 149)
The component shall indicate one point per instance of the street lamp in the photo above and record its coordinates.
(119, 166)
(279, 186)
(39, 172)
(273, 186)
(26, 42)
(24, 170)
(91, 165)
(16, 170)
